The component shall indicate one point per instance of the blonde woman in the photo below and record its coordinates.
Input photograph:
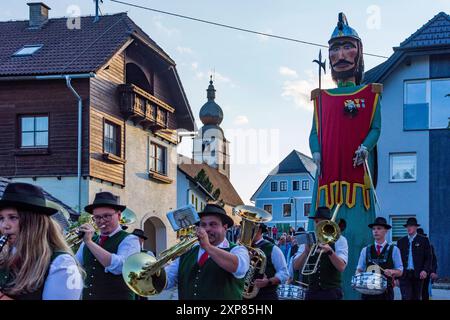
(36, 263)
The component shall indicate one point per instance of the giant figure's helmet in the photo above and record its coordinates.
(341, 32)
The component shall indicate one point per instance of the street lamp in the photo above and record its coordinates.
(292, 201)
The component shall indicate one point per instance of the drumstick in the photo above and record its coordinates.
(379, 266)
(302, 283)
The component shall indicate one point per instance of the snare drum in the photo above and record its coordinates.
(290, 292)
(370, 283)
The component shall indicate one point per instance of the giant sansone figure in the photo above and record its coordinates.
(345, 130)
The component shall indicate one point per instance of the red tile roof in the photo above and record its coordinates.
(227, 192)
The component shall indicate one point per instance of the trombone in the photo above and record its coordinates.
(327, 232)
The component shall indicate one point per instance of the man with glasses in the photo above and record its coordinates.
(102, 256)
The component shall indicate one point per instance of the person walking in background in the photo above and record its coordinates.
(426, 291)
(416, 258)
(274, 232)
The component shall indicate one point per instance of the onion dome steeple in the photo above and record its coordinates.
(211, 113)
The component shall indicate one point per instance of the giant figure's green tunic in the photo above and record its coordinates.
(357, 232)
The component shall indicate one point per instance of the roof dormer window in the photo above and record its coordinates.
(27, 50)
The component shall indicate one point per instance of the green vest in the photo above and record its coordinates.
(208, 282)
(267, 247)
(326, 277)
(101, 285)
(6, 277)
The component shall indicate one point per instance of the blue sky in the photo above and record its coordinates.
(262, 83)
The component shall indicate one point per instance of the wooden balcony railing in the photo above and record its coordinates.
(143, 108)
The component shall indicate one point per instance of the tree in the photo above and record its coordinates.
(203, 179)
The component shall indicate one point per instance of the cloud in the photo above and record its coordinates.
(185, 50)
(217, 76)
(300, 90)
(263, 38)
(287, 72)
(162, 28)
(241, 120)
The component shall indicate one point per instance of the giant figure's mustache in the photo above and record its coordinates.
(342, 63)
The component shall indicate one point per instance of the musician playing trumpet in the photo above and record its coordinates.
(276, 271)
(214, 268)
(325, 283)
(35, 261)
(386, 256)
(103, 255)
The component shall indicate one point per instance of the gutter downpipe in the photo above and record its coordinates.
(68, 78)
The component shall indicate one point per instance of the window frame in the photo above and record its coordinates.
(428, 100)
(308, 184)
(153, 145)
(285, 183)
(290, 211)
(273, 183)
(304, 208)
(391, 156)
(268, 205)
(20, 131)
(118, 139)
(293, 185)
(36, 47)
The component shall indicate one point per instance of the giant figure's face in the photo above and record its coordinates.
(344, 58)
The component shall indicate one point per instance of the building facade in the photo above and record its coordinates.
(287, 191)
(132, 103)
(413, 149)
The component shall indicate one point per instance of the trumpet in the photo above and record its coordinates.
(145, 275)
(251, 218)
(327, 232)
(74, 236)
(3, 241)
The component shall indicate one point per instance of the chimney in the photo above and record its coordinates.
(38, 14)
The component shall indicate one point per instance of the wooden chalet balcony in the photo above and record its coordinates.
(143, 108)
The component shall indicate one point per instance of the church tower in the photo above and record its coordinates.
(210, 145)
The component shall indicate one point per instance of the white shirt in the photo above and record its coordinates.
(127, 247)
(64, 281)
(279, 263)
(240, 252)
(341, 248)
(301, 249)
(396, 256)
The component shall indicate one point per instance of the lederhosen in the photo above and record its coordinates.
(208, 282)
(384, 260)
(325, 284)
(101, 285)
(6, 277)
(269, 292)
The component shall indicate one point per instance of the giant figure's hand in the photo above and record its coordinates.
(317, 160)
(360, 156)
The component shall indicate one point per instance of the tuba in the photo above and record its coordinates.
(145, 275)
(251, 218)
(327, 232)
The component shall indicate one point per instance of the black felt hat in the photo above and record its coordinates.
(105, 199)
(215, 209)
(26, 196)
(411, 222)
(322, 213)
(380, 221)
(139, 233)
